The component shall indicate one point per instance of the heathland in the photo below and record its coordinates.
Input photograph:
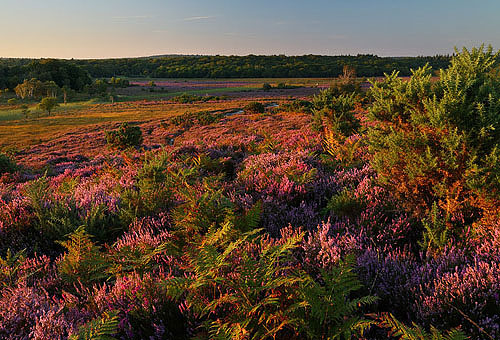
(134, 207)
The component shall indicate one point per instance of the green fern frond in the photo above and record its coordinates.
(83, 260)
(416, 332)
(10, 265)
(102, 328)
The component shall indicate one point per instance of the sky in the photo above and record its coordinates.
(130, 28)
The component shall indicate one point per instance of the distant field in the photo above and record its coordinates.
(295, 81)
(166, 88)
(17, 133)
(142, 103)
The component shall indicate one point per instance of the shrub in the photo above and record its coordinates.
(345, 204)
(266, 86)
(254, 107)
(186, 98)
(298, 105)
(12, 101)
(335, 113)
(189, 119)
(7, 164)
(125, 136)
(57, 215)
(439, 141)
(152, 192)
(283, 86)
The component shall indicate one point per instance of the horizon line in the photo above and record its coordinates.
(231, 55)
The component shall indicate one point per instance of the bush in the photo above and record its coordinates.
(439, 141)
(283, 86)
(12, 101)
(126, 136)
(298, 105)
(336, 113)
(186, 98)
(254, 107)
(7, 164)
(189, 119)
(266, 86)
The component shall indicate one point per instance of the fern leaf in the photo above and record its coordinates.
(102, 328)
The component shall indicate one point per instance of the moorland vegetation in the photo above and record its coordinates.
(351, 215)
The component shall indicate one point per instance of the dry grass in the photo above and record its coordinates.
(20, 133)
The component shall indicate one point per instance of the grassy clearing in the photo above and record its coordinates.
(17, 131)
(16, 113)
(20, 133)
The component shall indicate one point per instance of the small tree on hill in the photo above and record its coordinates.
(48, 104)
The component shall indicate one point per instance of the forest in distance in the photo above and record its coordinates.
(14, 71)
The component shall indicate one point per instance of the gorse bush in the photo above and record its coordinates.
(125, 136)
(345, 204)
(435, 141)
(335, 112)
(254, 107)
(153, 190)
(334, 116)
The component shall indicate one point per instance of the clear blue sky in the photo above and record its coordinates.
(119, 28)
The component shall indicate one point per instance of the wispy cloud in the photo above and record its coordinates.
(197, 18)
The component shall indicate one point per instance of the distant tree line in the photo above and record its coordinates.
(63, 73)
(256, 66)
(76, 74)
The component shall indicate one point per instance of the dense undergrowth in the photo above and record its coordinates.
(384, 223)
